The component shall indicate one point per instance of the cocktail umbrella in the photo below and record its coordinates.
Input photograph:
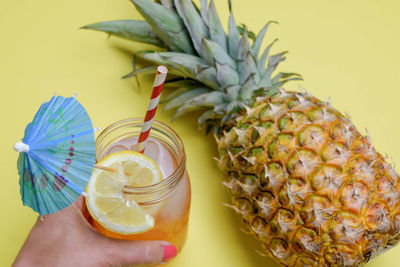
(57, 155)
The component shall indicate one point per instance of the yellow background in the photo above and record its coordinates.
(346, 50)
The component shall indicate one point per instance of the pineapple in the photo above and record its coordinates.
(307, 184)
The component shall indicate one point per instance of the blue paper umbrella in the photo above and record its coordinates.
(57, 155)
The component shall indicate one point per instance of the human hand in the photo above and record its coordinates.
(67, 239)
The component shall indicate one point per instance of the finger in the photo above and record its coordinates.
(124, 252)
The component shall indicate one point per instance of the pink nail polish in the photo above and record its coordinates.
(169, 252)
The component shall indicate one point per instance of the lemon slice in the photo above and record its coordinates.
(106, 199)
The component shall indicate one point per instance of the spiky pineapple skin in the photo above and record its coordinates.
(308, 185)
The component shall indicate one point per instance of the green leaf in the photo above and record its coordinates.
(233, 91)
(246, 62)
(178, 101)
(133, 62)
(263, 59)
(168, 26)
(156, 58)
(226, 75)
(135, 30)
(282, 82)
(242, 52)
(174, 71)
(214, 98)
(188, 62)
(248, 87)
(146, 70)
(187, 108)
(194, 23)
(173, 93)
(213, 52)
(150, 70)
(234, 105)
(168, 4)
(276, 59)
(265, 81)
(271, 91)
(233, 34)
(273, 63)
(203, 11)
(247, 68)
(255, 49)
(191, 66)
(244, 47)
(284, 75)
(217, 33)
(207, 115)
(184, 62)
(167, 96)
(251, 64)
(208, 76)
(242, 28)
(207, 100)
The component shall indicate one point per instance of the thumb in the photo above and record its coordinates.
(126, 252)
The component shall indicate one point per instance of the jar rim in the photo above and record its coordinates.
(172, 135)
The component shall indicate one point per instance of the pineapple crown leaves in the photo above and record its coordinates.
(218, 72)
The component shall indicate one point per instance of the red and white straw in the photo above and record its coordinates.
(151, 109)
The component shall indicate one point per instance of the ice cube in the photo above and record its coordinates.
(134, 147)
(162, 156)
(152, 149)
(117, 148)
(176, 203)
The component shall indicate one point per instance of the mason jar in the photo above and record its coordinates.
(168, 201)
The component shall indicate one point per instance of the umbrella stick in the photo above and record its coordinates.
(104, 168)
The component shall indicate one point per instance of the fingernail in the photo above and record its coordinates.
(169, 252)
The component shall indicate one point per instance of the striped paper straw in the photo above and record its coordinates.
(151, 109)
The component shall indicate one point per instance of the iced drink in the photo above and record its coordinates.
(168, 202)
